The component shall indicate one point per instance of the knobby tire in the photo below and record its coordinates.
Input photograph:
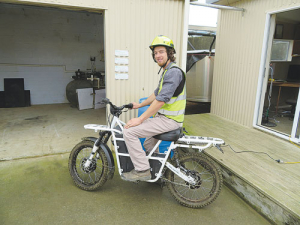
(209, 182)
(96, 175)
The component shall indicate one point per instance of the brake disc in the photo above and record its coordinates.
(92, 167)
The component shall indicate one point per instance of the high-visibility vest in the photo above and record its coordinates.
(175, 108)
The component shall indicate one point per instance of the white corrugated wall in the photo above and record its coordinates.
(132, 25)
(238, 55)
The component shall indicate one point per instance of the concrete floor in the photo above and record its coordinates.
(44, 129)
(37, 189)
(51, 129)
(40, 191)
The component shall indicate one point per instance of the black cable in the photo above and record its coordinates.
(252, 152)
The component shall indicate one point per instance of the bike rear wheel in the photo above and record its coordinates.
(92, 177)
(208, 181)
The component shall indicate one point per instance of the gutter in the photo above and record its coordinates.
(218, 6)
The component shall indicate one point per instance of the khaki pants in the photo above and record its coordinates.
(150, 127)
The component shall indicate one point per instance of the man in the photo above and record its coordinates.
(167, 103)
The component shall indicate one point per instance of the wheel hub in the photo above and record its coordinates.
(92, 167)
(197, 178)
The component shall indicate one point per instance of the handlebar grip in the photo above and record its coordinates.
(129, 106)
(105, 100)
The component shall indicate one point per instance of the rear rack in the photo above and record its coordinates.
(199, 143)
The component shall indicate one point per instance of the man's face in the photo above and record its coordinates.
(160, 55)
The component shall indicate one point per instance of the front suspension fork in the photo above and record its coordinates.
(103, 136)
(89, 160)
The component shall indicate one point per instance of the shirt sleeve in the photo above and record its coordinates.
(171, 81)
(156, 91)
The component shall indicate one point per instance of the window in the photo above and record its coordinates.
(282, 50)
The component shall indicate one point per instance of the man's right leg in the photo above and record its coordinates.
(150, 127)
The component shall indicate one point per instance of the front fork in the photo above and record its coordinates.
(104, 136)
(89, 160)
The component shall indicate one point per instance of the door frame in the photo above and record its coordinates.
(262, 84)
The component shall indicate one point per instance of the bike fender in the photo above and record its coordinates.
(108, 154)
(93, 139)
(110, 158)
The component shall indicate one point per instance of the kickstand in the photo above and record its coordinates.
(161, 183)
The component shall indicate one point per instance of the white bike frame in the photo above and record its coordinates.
(195, 142)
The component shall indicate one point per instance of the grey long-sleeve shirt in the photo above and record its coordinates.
(171, 81)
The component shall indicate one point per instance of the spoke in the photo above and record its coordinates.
(91, 179)
(208, 179)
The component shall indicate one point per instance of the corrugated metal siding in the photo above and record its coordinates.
(132, 25)
(238, 54)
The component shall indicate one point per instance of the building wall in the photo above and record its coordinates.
(130, 25)
(45, 46)
(238, 55)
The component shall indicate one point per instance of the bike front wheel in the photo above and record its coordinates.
(96, 174)
(208, 179)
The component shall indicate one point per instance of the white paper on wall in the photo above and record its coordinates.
(123, 61)
(121, 76)
(121, 53)
(121, 68)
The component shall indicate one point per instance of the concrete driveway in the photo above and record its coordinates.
(40, 191)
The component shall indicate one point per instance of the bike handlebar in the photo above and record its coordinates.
(127, 106)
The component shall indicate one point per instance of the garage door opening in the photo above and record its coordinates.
(44, 49)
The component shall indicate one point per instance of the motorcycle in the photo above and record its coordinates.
(193, 179)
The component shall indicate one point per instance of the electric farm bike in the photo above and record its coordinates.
(193, 179)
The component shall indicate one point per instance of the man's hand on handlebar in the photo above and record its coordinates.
(135, 105)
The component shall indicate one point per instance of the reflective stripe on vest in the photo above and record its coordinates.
(175, 108)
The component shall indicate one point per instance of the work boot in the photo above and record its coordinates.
(134, 175)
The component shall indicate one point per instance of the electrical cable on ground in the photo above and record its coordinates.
(276, 160)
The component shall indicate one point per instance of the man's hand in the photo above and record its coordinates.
(133, 122)
(135, 105)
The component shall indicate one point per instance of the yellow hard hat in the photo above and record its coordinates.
(161, 40)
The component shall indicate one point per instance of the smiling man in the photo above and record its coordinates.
(167, 103)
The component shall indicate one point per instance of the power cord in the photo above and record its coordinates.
(276, 160)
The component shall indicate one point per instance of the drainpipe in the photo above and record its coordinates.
(218, 6)
(185, 34)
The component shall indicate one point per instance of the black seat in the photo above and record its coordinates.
(173, 135)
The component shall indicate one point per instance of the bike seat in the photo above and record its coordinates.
(172, 135)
